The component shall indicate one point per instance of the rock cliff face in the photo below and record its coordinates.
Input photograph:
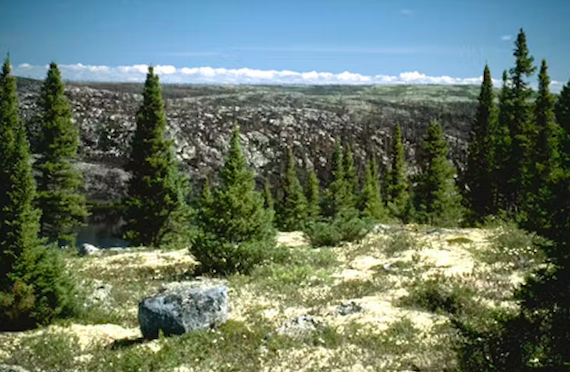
(201, 118)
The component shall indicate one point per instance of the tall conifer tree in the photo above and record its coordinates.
(292, 211)
(372, 206)
(338, 199)
(398, 194)
(522, 130)
(59, 197)
(563, 119)
(350, 172)
(155, 206)
(503, 146)
(480, 171)
(235, 232)
(437, 198)
(541, 199)
(34, 287)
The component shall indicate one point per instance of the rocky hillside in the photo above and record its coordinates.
(308, 118)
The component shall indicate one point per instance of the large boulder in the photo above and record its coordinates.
(87, 249)
(183, 308)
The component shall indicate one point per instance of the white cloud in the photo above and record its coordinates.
(171, 74)
(506, 37)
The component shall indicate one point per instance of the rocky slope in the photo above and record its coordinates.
(200, 119)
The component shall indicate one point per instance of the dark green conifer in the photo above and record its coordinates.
(503, 147)
(292, 211)
(522, 130)
(480, 172)
(267, 196)
(34, 287)
(373, 207)
(541, 196)
(63, 205)
(437, 198)
(338, 199)
(350, 172)
(155, 207)
(398, 188)
(563, 120)
(236, 230)
(313, 196)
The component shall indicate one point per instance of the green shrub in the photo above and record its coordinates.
(440, 294)
(334, 232)
(400, 242)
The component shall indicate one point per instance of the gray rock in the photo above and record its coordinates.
(299, 327)
(87, 249)
(101, 296)
(181, 309)
(7, 368)
(348, 308)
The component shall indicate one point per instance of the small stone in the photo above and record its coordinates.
(298, 327)
(348, 308)
(87, 249)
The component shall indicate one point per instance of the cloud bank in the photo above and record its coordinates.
(209, 75)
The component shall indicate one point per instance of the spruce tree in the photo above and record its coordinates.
(235, 231)
(541, 200)
(350, 172)
(480, 171)
(313, 196)
(34, 287)
(503, 146)
(59, 197)
(521, 128)
(292, 211)
(267, 196)
(437, 198)
(563, 120)
(397, 188)
(373, 207)
(338, 199)
(155, 206)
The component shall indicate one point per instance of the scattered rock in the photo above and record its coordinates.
(87, 249)
(101, 295)
(381, 229)
(7, 368)
(183, 308)
(348, 308)
(298, 327)
(440, 231)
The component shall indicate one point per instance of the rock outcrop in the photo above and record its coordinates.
(201, 118)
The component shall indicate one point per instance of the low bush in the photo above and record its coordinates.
(333, 232)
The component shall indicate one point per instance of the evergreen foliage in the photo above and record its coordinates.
(268, 203)
(480, 171)
(502, 146)
(350, 172)
(156, 210)
(562, 110)
(313, 196)
(34, 288)
(398, 194)
(59, 197)
(437, 199)
(235, 230)
(542, 200)
(373, 208)
(292, 211)
(521, 128)
(338, 197)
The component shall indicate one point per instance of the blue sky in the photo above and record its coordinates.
(373, 41)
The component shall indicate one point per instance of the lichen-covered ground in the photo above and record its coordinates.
(407, 282)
